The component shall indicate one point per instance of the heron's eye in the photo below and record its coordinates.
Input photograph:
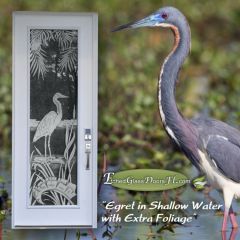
(164, 15)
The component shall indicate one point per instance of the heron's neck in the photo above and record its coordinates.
(175, 124)
(59, 107)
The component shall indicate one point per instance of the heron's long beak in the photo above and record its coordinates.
(149, 21)
(63, 96)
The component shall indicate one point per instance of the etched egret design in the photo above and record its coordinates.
(49, 123)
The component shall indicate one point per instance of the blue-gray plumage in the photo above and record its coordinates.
(211, 145)
(222, 144)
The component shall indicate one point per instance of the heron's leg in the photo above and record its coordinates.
(49, 147)
(233, 218)
(225, 218)
(233, 234)
(45, 146)
(224, 237)
(228, 196)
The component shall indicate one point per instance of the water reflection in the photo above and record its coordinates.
(232, 236)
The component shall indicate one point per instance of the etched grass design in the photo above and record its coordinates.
(48, 187)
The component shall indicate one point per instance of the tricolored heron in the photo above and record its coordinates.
(211, 145)
(49, 123)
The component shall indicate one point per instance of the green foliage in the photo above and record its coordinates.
(129, 63)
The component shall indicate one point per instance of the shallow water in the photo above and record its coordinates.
(206, 226)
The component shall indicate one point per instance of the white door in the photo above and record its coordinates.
(54, 120)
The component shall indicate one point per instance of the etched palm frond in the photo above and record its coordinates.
(41, 35)
(65, 38)
(68, 59)
(41, 39)
(37, 61)
(38, 39)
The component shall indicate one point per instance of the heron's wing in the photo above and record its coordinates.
(207, 127)
(225, 156)
(221, 143)
(45, 127)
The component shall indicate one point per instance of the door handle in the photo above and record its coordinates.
(88, 146)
